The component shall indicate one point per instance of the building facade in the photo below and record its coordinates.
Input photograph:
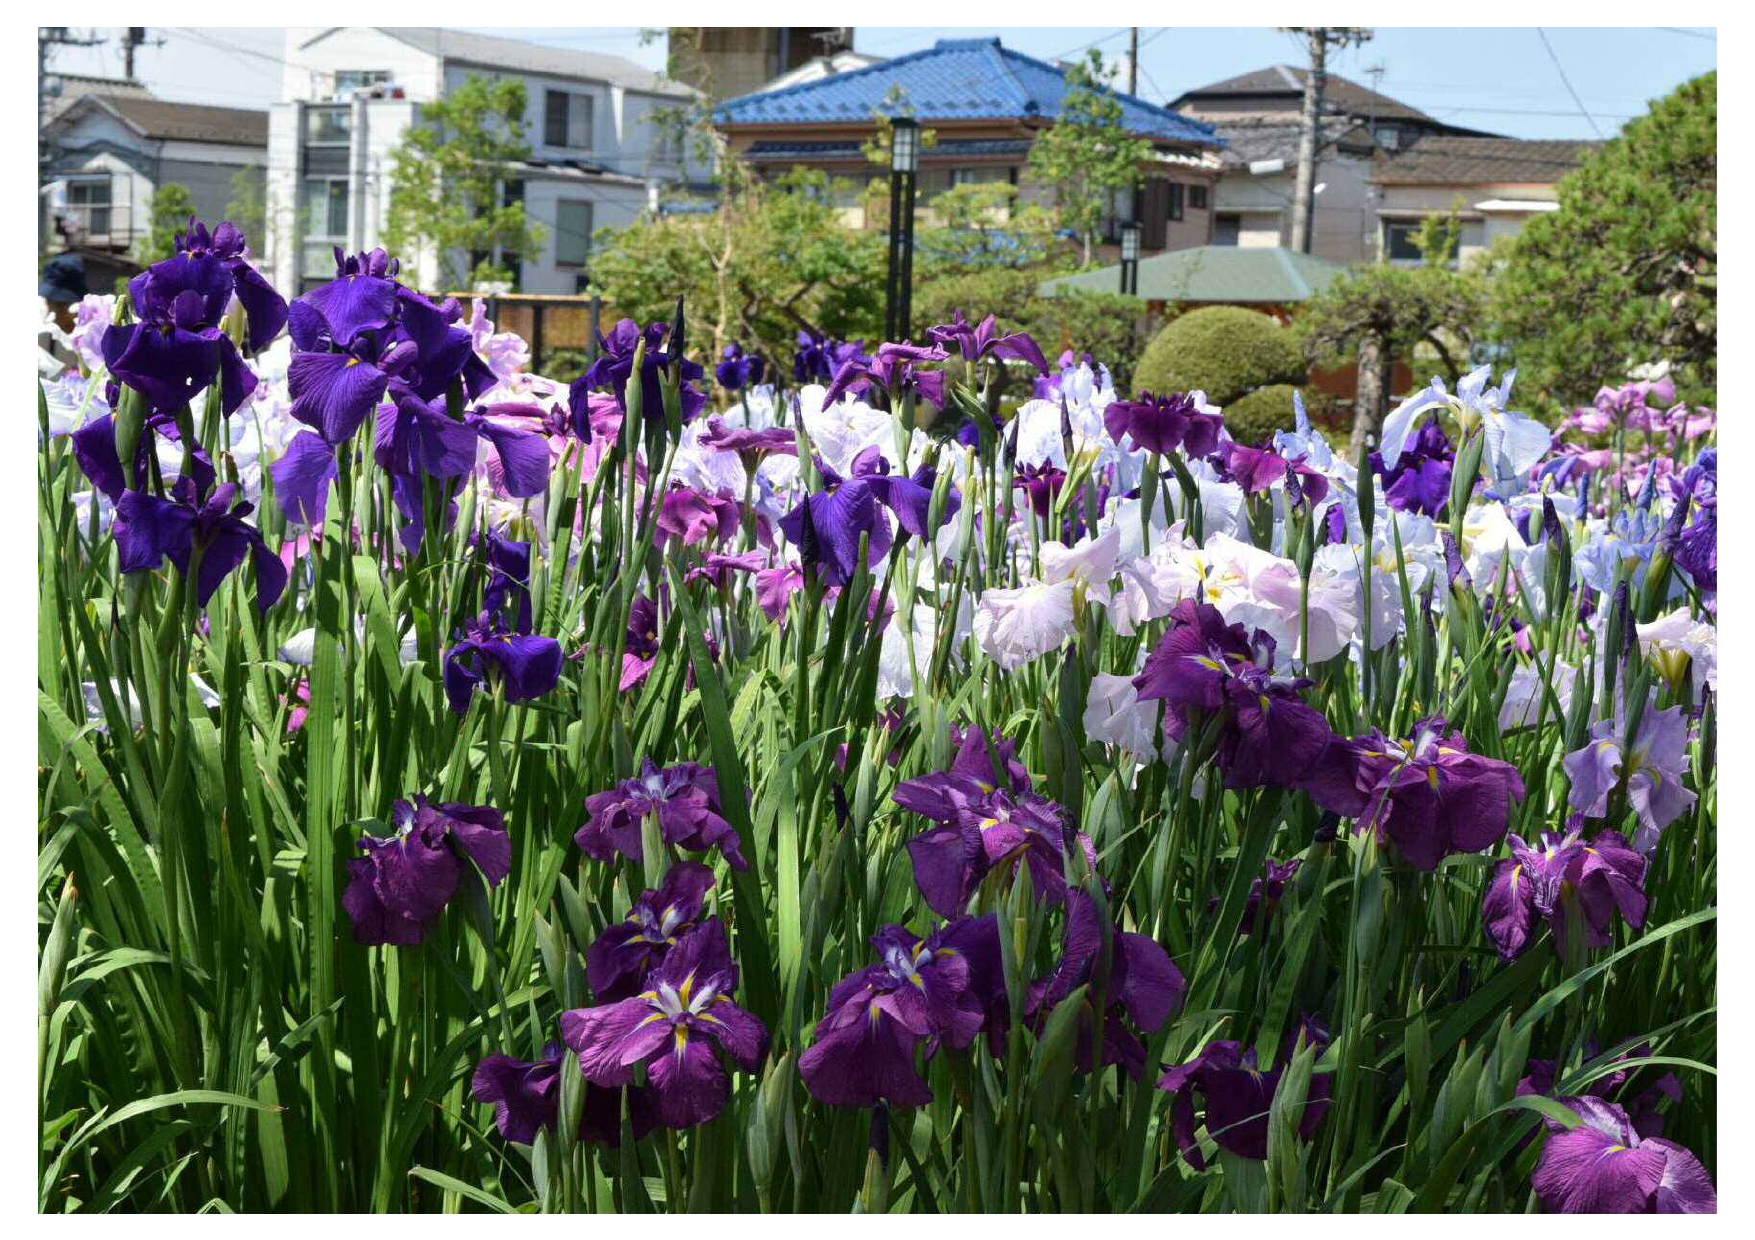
(986, 105)
(600, 147)
(726, 62)
(106, 155)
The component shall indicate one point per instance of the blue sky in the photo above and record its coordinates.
(1497, 79)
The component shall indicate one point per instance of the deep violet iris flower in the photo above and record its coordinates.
(1257, 469)
(94, 448)
(1419, 481)
(188, 525)
(526, 1098)
(989, 832)
(617, 963)
(738, 369)
(176, 349)
(936, 990)
(895, 367)
(750, 445)
(1236, 1095)
(819, 357)
(686, 800)
(826, 526)
(486, 651)
(1604, 1166)
(981, 340)
(1567, 874)
(1429, 796)
(396, 892)
(1203, 667)
(614, 370)
(671, 1027)
(1143, 984)
(1161, 424)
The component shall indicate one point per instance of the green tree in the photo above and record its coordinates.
(1087, 156)
(248, 209)
(448, 183)
(171, 208)
(1626, 271)
(1374, 314)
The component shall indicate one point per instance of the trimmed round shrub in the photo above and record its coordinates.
(1224, 351)
(1256, 416)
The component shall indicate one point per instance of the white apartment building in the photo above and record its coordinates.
(598, 157)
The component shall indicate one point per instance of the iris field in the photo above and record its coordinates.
(812, 784)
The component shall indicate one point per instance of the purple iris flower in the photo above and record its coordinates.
(826, 526)
(1595, 878)
(149, 529)
(524, 666)
(1429, 796)
(1162, 424)
(1041, 484)
(1604, 1166)
(176, 349)
(750, 445)
(936, 990)
(617, 963)
(988, 832)
(1265, 894)
(1236, 1096)
(671, 1027)
(818, 357)
(1420, 479)
(508, 565)
(1652, 770)
(640, 649)
(527, 1100)
(1143, 984)
(301, 477)
(1257, 469)
(396, 892)
(690, 516)
(1268, 735)
(739, 370)
(983, 340)
(1644, 1108)
(895, 367)
(94, 448)
(614, 370)
(686, 800)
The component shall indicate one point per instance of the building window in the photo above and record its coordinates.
(326, 219)
(1226, 229)
(1176, 192)
(89, 203)
(1197, 198)
(349, 80)
(567, 119)
(328, 126)
(1389, 137)
(572, 233)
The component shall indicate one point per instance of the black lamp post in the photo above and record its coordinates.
(1130, 258)
(904, 164)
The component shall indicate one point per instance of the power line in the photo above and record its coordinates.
(1692, 34)
(1564, 81)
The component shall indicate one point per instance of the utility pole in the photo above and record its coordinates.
(1319, 39)
(136, 37)
(1133, 60)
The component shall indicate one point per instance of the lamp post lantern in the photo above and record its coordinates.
(904, 165)
(1130, 258)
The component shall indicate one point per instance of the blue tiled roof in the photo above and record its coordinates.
(955, 148)
(954, 80)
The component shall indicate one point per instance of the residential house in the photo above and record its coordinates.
(600, 148)
(105, 155)
(1495, 185)
(725, 62)
(986, 106)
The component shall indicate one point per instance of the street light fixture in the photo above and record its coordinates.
(904, 167)
(1130, 258)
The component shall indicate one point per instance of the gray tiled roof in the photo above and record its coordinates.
(1340, 95)
(1444, 160)
(188, 122)
(491, 51)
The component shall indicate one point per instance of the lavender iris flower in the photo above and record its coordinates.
(1697, 549)
(527, 1097)
(936, 990)
(1604, 1166)
(617, 963)
(690, 516)
(686, 800)
(1429, 796)
(750, 445)
(614, 370)
(524, 666)
(671, 1028)
(1236, 1096)
(396, 892)
(1567, 873)
(1203, 667)
(148, 530)
(895, 367)
(1143, 984)
(1652, 770)
(984, 340)
(176, 349)
(739, 370)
